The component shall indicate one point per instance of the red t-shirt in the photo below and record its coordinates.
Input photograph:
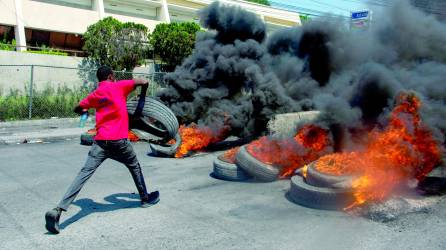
(110, 102)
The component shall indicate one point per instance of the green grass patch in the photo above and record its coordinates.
(47, 103)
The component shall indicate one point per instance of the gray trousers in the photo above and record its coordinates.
(119, 150)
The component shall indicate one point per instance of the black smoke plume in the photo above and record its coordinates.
(240, 77)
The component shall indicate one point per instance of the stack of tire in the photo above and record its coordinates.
(319, 190)
(255, 168)
(227, 169)
(246, 165)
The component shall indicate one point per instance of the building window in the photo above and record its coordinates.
(133, 10)
(56, 40)
(82, 4)
(6, 33)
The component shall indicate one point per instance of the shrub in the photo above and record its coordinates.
(47, 103)
(173, 42)
(122, 46)
(264, 2)
(5, 45)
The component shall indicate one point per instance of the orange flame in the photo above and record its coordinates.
(230, 154)
(310, 143)
(304, 171)
(338, 164)
(403, 151)
(133, 137)
(194, 138)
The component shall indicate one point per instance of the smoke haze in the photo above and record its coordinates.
(240, 77)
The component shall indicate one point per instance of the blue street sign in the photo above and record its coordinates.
(360, 15)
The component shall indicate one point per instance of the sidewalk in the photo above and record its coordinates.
(37, 131)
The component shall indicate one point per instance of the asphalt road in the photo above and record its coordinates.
(196, 211)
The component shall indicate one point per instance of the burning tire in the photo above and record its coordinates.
(157, 117)
(254, 167)
(320, 179)
(319, 197)
(166, 150)
(228, 171)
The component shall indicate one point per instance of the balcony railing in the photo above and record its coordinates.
(47, 50)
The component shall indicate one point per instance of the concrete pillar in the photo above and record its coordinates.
(98, 5)
(164, 12)
(19, 28)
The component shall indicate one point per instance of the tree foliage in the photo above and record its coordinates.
(173, 42)
(122, 46)
(304, 18)
(264, 2)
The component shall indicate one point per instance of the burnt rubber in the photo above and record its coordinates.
(228, 171)
(165, 150)
(87, 139)
(144, 135)
(319, 197)
(229, 143)
(254, 167)
(157, 116)
(319, 179)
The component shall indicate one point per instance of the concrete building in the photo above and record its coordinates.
(61, 23)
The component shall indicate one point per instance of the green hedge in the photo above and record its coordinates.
(46, 52)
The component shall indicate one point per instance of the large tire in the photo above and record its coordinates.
(159, 112)
(319, 197)
(87, 139)
(166, 150)
(148, 125)
(228, 171)
(254, 167)
(319, 179)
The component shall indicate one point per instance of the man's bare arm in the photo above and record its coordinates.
(141, 82)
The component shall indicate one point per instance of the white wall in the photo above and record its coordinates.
(7, 12)
(16, 77)
(53, 17)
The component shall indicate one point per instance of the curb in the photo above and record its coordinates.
(45, 123)
(42, 136)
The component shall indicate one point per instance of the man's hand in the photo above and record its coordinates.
(141, 82)
(79, 110)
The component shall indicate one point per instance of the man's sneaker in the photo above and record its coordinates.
(52, 220)
(150, 199)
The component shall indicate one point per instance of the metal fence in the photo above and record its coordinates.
(41, 92)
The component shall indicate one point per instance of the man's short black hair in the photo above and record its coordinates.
(103, 73)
